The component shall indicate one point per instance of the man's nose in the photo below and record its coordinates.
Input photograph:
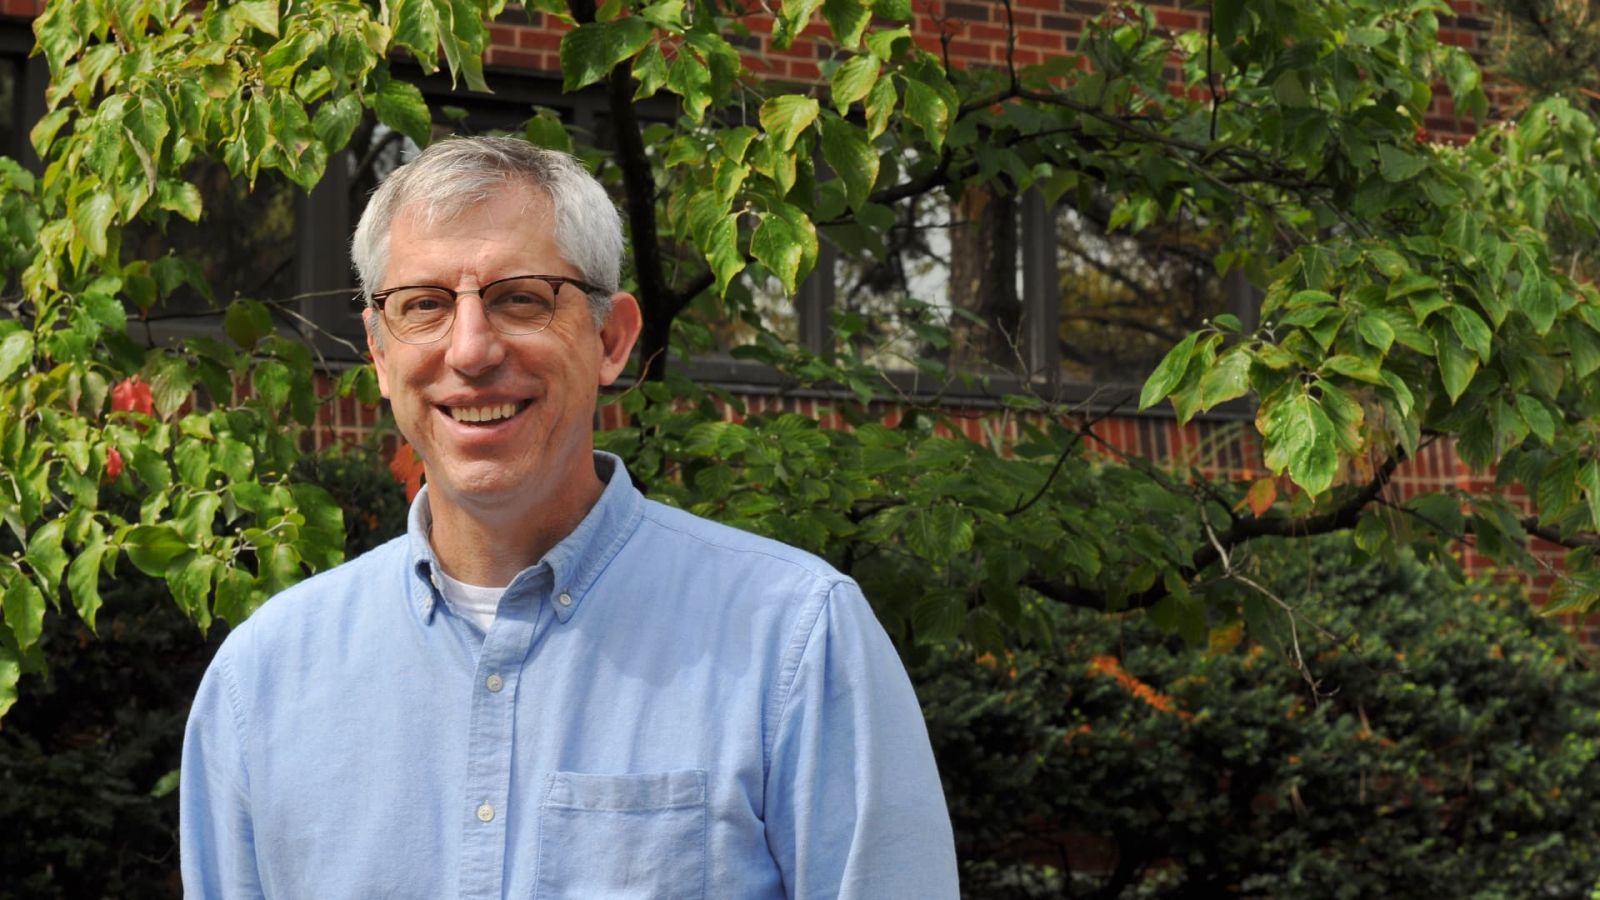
(475, 346)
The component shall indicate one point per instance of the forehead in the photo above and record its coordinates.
(484, 234)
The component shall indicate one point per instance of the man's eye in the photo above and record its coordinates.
(427, 303)
(522, 301)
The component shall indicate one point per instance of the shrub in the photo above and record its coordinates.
(1452, 751)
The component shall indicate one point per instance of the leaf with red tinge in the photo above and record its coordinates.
(407, 468)
(113, 464)
(132, 394)
(1261, 496)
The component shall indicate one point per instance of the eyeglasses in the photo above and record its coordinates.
(524, 304)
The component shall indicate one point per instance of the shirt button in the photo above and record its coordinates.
(494, 684)
(565, 599)
(485, 813)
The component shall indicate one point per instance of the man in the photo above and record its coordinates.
(550, 686)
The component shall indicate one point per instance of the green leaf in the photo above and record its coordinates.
(416, 28)
(92, 217)
(777, 243)
(880, 105)
(854, 80)
(848, 19)
(1589, 480)
(650, 70)
(787, 116)
(24, 608)
(1169, 373)
(1397, 165)
(1536, 298)
(590, 51)
(10, 672)
(166, 784)
(851, 157)
(938, 616)
(1456, 368)
(1226, 16)
(234, 459)
(336, 120)
(246, 322)
(15, 351)
(153, 547)
(940, 533)
(545, 129)
(925, 108)
(180, 197)
(1376, 332)
(272, 382)
(83, 579)
(193, 461)
(45, 555)
(690, 79)
(1537, 418)
(1300, 439)
(1473, 331)
(237, 596)
(793, 16)
(400, 106)
(1354, 367)
(722, 251)
(1227, 380)
(191, 586)
(262, 14)
(171, 384)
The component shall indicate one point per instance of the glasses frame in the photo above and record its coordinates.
(556, 282)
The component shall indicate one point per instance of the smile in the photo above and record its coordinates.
(493, 412)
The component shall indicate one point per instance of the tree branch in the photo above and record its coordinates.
(1243, 531)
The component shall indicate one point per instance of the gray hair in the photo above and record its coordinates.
(456, 173)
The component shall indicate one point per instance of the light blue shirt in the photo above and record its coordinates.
(664, 707)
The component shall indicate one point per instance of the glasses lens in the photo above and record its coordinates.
(419, 315)
(521, 305)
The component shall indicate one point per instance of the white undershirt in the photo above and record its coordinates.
(470, 601)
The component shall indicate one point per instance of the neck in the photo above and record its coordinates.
(487, 543)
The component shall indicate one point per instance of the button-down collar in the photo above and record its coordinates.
(573, 564)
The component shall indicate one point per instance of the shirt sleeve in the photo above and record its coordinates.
(854, 805)
(215, 835)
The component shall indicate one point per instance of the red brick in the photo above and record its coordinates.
(804, 70)
(514, 59)
(503, 35)
(971, 51)
(538, 39)
(1182, 21)
(1042, 39)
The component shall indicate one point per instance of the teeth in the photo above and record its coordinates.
(483, 413)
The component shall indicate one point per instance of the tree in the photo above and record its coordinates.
(1409, 295)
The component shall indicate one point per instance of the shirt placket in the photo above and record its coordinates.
(491, 730)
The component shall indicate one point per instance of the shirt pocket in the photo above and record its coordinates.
(623, 836)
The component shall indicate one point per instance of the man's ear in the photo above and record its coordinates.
(369, 316)
(617, 336)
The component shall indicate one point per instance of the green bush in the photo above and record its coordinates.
(1452, 752)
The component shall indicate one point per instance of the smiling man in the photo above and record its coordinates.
(549, 686)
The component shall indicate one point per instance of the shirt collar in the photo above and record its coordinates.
(573, 564)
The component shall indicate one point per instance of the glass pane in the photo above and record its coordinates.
(944, 286)
(1125, 300)
(11, 135)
